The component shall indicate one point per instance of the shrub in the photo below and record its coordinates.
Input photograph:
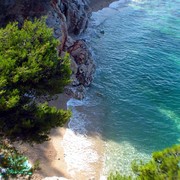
(30, 68)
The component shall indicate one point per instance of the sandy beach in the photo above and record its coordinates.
(51, 154)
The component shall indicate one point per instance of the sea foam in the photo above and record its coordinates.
(100, 16)
(79, 149)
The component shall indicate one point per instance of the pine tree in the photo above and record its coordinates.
(30, 68)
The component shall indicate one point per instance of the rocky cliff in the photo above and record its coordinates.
(68, 18)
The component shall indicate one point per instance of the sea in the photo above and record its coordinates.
(133, 104)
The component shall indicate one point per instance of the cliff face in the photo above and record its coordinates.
(76, 13)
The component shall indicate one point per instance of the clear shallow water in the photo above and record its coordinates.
(135, 96)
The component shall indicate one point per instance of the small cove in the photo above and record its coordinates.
(133, 104)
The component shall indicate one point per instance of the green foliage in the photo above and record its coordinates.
(30, 68)
(12, 163)
(118, 176)
(164, 165)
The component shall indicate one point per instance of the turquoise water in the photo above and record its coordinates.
(134, 101)
(137, 82)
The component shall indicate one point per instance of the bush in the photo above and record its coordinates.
(118, 176)
(30, 68)
(164, 165)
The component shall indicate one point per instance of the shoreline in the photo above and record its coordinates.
(51, 153)
(84, 148)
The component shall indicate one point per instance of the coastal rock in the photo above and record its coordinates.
(82, 66)
(77, 92)
(77, 16)
(84, 63)
(13, 10)
(74, 66)
(75, 11)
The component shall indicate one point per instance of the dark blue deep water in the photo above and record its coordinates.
(135, 96)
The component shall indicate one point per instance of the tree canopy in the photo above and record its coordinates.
(163, 165)
(29, 69)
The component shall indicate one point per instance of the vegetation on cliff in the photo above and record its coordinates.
(163, 165)
(29, 69)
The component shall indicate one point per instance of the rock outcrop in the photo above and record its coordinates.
(76, 13)
(83, 68)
